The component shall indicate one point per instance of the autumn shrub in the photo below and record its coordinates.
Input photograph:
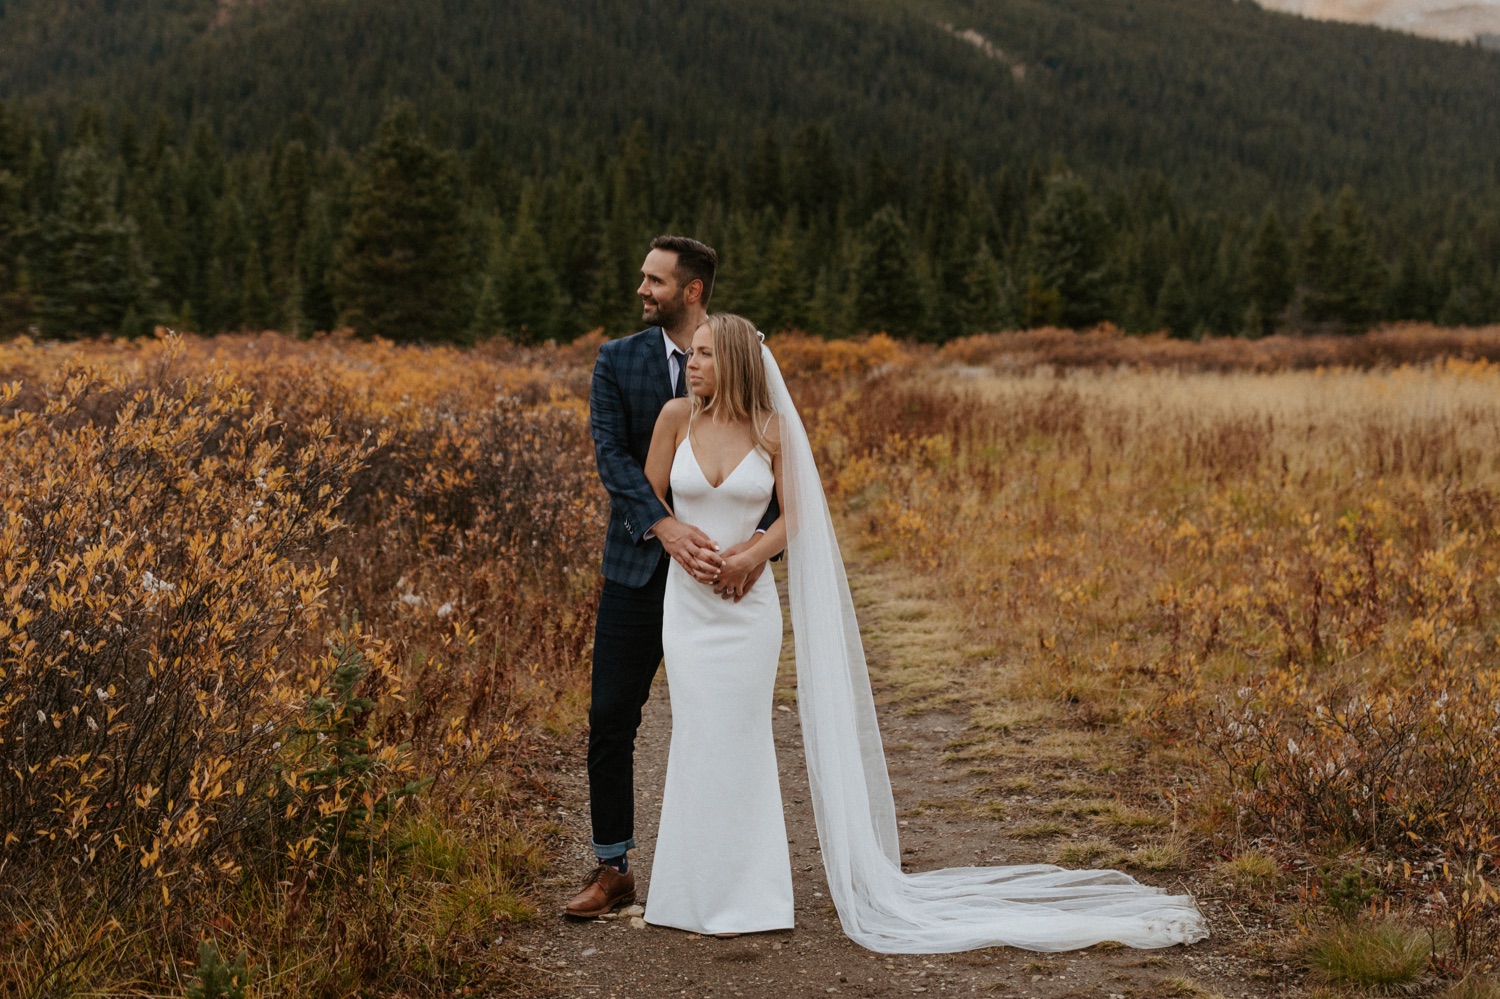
(273, 608)
(156, 562)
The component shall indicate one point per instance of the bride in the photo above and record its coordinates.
(721, 863)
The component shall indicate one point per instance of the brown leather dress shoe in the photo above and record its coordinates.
(604, 889)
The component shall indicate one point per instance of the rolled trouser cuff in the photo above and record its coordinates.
(613, 851)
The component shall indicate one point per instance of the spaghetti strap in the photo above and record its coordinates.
(767, 425)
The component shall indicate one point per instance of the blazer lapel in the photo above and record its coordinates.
(656, 364)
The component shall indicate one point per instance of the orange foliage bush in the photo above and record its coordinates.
(258, 593)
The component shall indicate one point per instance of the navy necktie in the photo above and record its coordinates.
(680, 389)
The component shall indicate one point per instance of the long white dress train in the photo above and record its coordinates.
(1033, 906)
(721, 863)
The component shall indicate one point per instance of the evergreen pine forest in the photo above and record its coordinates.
(1203, 168)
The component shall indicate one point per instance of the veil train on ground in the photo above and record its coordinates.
(1033, 906)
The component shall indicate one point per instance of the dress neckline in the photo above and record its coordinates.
(688, 440)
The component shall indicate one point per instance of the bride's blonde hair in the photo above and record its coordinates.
(741, 392)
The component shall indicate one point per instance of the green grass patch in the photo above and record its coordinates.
(1369, 954)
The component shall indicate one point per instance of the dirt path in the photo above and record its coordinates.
(951, 813)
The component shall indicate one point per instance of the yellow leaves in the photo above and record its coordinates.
(267, 492)
(151, 857)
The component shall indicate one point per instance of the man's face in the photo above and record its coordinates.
(663, 299)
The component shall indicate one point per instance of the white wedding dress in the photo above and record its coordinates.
(721, 863)
(722, 804)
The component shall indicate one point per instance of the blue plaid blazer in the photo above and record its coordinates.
(632, 382)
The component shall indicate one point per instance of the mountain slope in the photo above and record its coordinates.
(1225, 99)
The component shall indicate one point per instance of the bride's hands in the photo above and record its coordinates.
(739, 571)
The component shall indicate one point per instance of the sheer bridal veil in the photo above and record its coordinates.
(1036, 906)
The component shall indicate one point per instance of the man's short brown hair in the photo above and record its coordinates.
(695, 260)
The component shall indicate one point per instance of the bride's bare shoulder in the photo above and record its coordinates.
(772, 433)
(674, 413)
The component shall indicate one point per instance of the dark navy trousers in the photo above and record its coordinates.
(627, 652)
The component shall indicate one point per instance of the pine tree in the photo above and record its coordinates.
(402, 267)
(1269, 271)
(143, 193)
(815, 175)
(93, 272)
(880, 184)
(831, 307)
(1358, 276)
(255, 298)
(1252, 323)
(315, 263)
(529, 293)
(202, 178)
(1136, 315)
(765, 175)
(15, 297)
(292, 198)
(987, 304)
(1174, 305)
(781, 296)
(1069, 250)
(1465, 278)
(1319, 297)
(944, 197)
(1222, 294)
(687, 178)
(225, 279)
(612, 303)
(1412, 293)
(488, 320)
(575, 243)
(889, 290)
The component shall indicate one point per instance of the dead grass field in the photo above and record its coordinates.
(1282, 585)
(1223, 612)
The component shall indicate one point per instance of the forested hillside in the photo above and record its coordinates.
(926, 166)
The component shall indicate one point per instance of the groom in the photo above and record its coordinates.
(633, 378)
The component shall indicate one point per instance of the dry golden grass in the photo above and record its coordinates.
(1183, 987)
(1166, 855)
(1041, 829)
(1092, 852)
(1279, 582)
(1251, 869)
(1472, 988)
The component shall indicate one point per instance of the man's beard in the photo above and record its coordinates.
(665, 312)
